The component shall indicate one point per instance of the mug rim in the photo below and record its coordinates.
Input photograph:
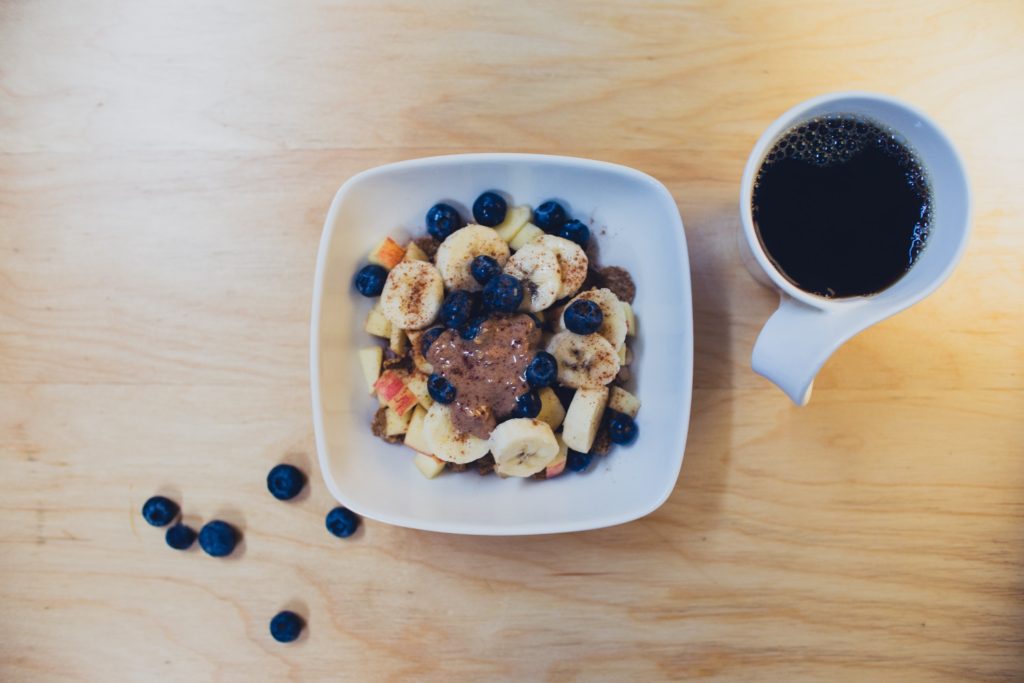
(787, 120)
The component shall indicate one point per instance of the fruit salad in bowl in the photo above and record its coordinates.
(504, 346)
(371, 350)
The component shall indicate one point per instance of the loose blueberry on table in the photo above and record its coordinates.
(520, 396)
(285, 481)
(342, 522)
(180, 537)
(286, 626)
(218, 538)
(160, 511)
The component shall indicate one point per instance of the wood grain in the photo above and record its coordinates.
(165, 169)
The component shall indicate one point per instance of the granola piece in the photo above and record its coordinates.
(485, 465)
(619, 281)
(428, 244)
(379, 427)
(393, 361)
(592, 281)
(379, 423)
(602, 442)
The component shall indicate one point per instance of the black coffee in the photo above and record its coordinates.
(842, 206)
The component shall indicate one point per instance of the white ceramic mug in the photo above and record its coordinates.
(806, 329)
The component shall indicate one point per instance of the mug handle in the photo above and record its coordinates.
(798, 339)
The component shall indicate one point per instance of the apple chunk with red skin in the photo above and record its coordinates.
(392, 390)
(557, 465)
(387, 253)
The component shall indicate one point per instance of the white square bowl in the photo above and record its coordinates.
(637, 225)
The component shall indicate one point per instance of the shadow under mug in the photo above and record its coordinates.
(807, 328)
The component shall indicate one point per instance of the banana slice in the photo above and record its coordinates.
(457, 252)
(614, 327)
(448, 443)
(551, 410)
(584, 417)
(537, 267)
(515, 219)
(412, 295)
(572, 262)
(584, 360)
(526, 234)
(523, 447)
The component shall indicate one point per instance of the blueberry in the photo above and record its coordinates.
(180, 537)
(503, 293)
(370, 280)
(542, 370)
(472, 328)
(549, 216)
(621, 427)
(159, 511)
(218, 538)
(440, 389)
(429, 337)
(457, 308)
(527, 405)
(577, 462)
(576, 232)
(478, 303)
(489, 209)
(286, 626)
(285, 482)
(583, 316)
(443, 220)
(483, 268)
(342, 522)
(565, 395)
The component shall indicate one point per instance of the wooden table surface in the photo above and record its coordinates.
(165, 170)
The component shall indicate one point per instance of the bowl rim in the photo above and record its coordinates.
(470, 528)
